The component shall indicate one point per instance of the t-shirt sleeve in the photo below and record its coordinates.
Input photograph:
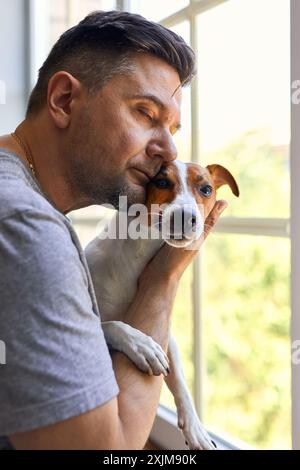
(57, 361)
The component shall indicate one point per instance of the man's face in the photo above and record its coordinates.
(125, 133)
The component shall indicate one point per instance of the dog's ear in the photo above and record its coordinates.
(222, 176)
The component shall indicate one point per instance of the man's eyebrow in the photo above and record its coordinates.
(154, 99)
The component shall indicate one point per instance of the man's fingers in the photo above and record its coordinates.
(213, 216)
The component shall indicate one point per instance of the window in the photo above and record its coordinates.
(246, 322)
(244, 109)
(156, 10)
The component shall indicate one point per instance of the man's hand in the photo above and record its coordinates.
(169, 263)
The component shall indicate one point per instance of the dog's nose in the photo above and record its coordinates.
(192, 220)
(182, 222)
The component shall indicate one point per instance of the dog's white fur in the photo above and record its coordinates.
(115, 266)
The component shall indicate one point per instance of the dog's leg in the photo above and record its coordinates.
(143, 351)
(188, 421)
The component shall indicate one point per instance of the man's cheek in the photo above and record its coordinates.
(134, 140)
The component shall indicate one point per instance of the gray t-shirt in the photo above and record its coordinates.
(57, 361)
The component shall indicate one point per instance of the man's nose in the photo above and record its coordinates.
(164, 148)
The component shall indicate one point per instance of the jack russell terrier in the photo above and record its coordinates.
(186, 192)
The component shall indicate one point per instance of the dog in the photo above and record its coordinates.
(182, 194)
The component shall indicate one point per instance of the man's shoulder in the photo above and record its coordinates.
(18, 191)
(17, 196)
(28, 220)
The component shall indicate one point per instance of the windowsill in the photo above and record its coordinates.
(166, 435)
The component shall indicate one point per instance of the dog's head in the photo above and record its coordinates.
(181, 196)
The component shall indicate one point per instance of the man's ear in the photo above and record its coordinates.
(222, 176)
(63, 91)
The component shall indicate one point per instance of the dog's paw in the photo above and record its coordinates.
(141, 349)
(145, 353)
(195, 435)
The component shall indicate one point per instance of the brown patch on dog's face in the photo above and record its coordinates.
(163, 188)
(213, 176)
(201, 184)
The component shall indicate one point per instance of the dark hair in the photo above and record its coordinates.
(101, 46)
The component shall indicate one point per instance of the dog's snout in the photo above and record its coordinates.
(182, 222)
(192, 220)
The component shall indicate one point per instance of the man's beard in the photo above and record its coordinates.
(99, 188)
(113, 190)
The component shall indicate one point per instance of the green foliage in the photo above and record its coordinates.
(262, 173)
(246, 334)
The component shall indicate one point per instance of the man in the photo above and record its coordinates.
(102, 115)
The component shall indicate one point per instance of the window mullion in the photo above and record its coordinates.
(194, 8)
(269, 227)
(295, 221)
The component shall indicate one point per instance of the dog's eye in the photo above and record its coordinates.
(206, 190)
(162, 183)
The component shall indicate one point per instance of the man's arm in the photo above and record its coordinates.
(125, 422)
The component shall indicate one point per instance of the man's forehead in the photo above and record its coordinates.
(163, 100)
(155, 75)
(163, 94)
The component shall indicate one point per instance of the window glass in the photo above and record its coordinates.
(246, 322)
(156, 10)
(244, 101)
(67, 13)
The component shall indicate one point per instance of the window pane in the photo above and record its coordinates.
(51, 18)
(58, 18)
(66, 13)
(244, 101)
(157, 10)
(246, 319)
(79, 9)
